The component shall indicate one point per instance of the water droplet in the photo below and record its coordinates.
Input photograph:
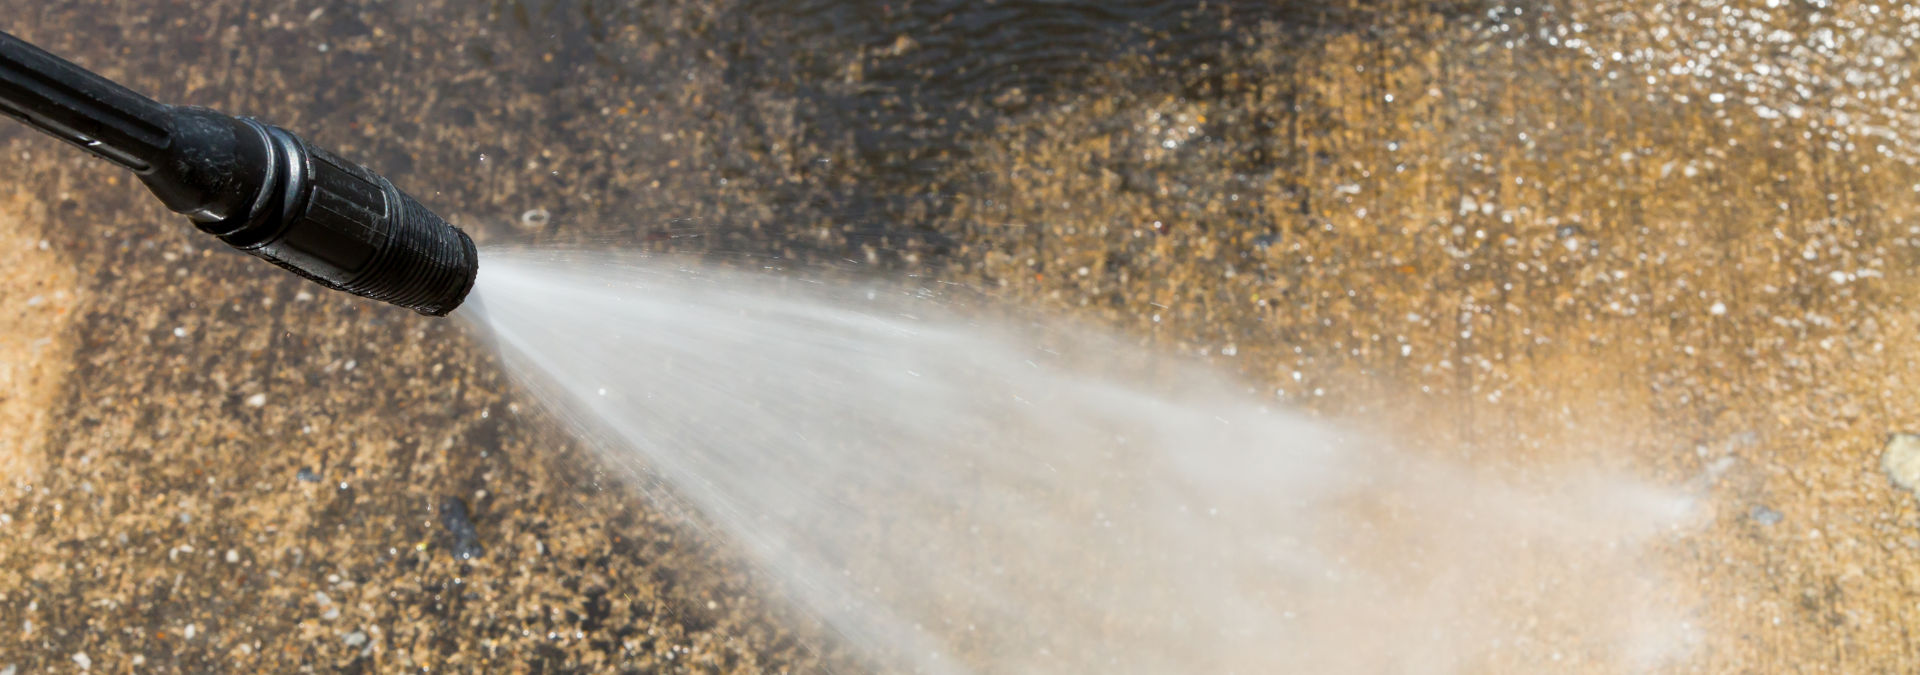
(535, 218)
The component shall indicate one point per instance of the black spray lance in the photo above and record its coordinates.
(256, 186)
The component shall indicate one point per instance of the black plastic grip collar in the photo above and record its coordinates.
(335, 222)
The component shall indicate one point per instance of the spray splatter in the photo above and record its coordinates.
(955, 494)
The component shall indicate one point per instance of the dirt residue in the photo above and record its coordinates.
(38, 296)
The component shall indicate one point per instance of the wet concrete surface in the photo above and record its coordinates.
(1528, 238)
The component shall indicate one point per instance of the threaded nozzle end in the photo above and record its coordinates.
(427, 265)
(335, 222)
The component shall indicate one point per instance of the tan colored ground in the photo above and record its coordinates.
(1518, 258)
(41, 290)
(1529, 263)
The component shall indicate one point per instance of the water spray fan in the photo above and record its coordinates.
(257, 187)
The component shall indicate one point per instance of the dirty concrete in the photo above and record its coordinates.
(1478, 228)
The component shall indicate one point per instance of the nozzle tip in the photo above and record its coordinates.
(350, 229)
(428, 264)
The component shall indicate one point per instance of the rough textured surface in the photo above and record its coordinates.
(1522, 252)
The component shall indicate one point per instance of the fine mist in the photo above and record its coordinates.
(953, 495)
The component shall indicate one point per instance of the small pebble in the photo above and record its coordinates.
(1901, 460)
(306, 475)
(466, 539)
(85, 662)
(353, 639)
(257, 400)
(233, 556)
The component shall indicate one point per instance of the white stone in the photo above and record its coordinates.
(1901, 460)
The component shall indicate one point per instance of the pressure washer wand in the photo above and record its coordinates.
(256, 186)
